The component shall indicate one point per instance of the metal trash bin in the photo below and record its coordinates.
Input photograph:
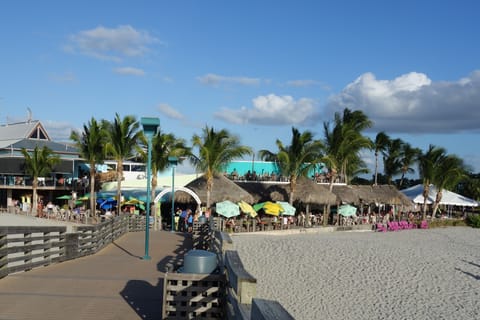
(199, 261)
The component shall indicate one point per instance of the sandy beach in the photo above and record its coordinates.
(9, 219)
(410, 274)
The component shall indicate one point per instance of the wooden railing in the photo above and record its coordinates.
(24, 248)
(241, 286)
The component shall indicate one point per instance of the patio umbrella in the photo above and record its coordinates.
(247, 208)
(65, 197)
(269, 207)
(85, 197)
(227, 209)
(347, 210)
(289, 210)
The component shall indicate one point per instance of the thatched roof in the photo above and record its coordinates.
(364, 194)
(306, 191)
(223, 189)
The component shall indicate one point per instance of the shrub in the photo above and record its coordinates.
(441, 223)
(473, 220)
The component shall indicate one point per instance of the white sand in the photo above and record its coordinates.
(8, 219)
(410, 274)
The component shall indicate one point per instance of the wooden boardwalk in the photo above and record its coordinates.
(116, 283)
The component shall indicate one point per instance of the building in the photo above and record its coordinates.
(15, 185)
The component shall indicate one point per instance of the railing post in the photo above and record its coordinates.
(71, 246)
(3, 255)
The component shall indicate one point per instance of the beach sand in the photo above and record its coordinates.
(409, 274)
(9, 219)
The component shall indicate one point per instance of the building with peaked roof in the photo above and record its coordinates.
(14, 183)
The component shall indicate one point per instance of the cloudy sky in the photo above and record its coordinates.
(256, 68)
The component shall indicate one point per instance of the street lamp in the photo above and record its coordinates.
(173, 162)
(150, 127)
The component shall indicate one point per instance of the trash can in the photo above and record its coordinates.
(199, 261)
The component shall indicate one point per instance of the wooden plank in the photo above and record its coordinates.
(269, 310)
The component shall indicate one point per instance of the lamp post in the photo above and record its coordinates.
(173, 162)
(150, 127)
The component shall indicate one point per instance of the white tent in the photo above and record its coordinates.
(448, 197)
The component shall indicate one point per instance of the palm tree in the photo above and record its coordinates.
(380, 145)
(124, 137)
(343, 143)
(163, 146)
(90, 144)
(449, 172)
(428, 164)
(408, 156)
(38, 163)
(215, 150)
(391, 159)
(296, 159)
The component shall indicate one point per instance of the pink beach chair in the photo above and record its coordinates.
(381, 228)
(424, 224)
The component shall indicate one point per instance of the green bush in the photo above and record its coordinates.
(473, 220)
(441, 223)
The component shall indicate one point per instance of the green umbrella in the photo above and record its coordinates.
(65, 197)
(347, 210)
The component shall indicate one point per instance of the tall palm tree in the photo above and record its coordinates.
(124, 137)
(380, 145)
(343, 142)
(408, 156)
(449, 172)
(428, 164)
(163, 146)
(90, 143)
(296, 159)
(215, 150)
(38, 163)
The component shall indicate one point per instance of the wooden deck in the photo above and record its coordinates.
(115, 283)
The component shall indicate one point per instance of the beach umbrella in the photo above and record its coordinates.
(227, 209)
(65, 197)
(247, 208)
(269, 207)
(347, 210)
(85, 197)
(289, 210)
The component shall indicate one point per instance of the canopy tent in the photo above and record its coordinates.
(451, 198)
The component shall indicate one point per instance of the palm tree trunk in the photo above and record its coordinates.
(93, 204)
(376, 168)
(426, 191)
(293, 186)
(438, 198)
(119, 184)
(33, 208)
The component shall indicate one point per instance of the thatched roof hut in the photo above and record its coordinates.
(366, 195)
(306, 191)
(223, 189)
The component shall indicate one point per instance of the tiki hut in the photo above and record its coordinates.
(371, 195)
(307, 192)
(223, 189)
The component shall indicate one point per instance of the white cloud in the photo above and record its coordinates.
(413, 103)
(129, 71)
(271, 110)
(216, 80)
(169, 111)
(111, 43)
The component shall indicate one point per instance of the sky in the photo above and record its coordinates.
(256, 68)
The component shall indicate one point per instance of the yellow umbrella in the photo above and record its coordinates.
(269, 207)
(248, 209)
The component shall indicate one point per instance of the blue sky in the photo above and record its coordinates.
(256, 68)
